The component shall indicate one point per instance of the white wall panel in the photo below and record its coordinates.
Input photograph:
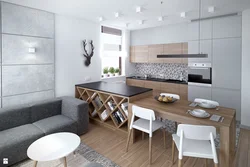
(26, 79)
(27, 98)
(16, 50)
(26, 21)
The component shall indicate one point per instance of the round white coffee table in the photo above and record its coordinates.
(54, 146)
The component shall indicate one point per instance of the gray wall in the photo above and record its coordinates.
(245, 88)
(221, 39)
(26, 77)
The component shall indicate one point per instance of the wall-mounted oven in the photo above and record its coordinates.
(200, 74)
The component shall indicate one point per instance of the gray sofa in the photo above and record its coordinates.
(21, 126)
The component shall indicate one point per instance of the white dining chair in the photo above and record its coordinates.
(198, 100)
(195, 141)
(146, 123)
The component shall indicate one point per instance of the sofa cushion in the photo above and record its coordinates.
(45, 109)
(15, 142)
(58, 123)
(15, 116)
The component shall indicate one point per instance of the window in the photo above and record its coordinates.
(111, 41)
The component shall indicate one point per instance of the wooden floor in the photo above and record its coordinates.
(112, 145)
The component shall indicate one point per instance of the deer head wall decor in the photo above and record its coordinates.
(86, 54)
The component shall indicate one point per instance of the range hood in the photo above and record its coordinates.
(200, 55)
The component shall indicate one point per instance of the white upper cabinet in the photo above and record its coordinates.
(227, 63)
(227, 27)
(205, 47)
(205, 30)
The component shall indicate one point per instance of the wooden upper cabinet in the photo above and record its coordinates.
(175, 48)
(148, 53)
(153, 51)
(132, 54)
(141, 54)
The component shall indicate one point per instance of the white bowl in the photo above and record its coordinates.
(199, 112)
(206, 105)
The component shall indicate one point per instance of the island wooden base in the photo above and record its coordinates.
(101, 113)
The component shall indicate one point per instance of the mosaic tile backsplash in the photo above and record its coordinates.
(160, 70)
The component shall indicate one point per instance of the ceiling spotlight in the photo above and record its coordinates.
(160, 18)
(141, 22)
(183, 15)
(138, 9)
(100, 18)
(117, 14)
(211, 9)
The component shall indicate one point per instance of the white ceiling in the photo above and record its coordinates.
(171, 9)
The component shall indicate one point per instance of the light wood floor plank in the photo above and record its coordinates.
(112, 145)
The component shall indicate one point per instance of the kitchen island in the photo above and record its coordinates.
(108, 102)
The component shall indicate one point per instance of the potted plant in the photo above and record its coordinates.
(105, 72)
(112, 71)
(117, 71)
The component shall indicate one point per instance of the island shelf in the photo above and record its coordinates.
(108, 102)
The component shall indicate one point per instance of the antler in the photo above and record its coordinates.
(84, 48)
(92, 48)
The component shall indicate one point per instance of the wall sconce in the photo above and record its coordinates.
(32, 50)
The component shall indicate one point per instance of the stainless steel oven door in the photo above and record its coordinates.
(200, 74)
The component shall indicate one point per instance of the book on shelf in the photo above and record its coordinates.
(93, 95)
(98, 102)
(105, 114)
(115, 119)
(94, 113)
(118, 117)
(111, 105)
(125, 108)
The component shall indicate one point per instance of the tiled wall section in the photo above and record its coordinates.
(166, 71)
(26, 77)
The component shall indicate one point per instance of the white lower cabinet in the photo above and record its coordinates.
(199, 92)
(228, 98)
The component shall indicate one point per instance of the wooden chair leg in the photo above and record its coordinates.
(164, 137)
(173, 151)
(142, 135)
(150, 150)
(128, 140)
(216, 165)
(205, 162)
(35, 163)
(176, 125)
(180, 163)
(65, 162)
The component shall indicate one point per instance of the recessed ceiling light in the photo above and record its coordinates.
(183, 15)
(141, 22)
(211, 9)
(117, 14)
(100, 18)
(138, 9)
(160, 18)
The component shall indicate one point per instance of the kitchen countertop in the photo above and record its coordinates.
(158, 80)
(115, 88)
